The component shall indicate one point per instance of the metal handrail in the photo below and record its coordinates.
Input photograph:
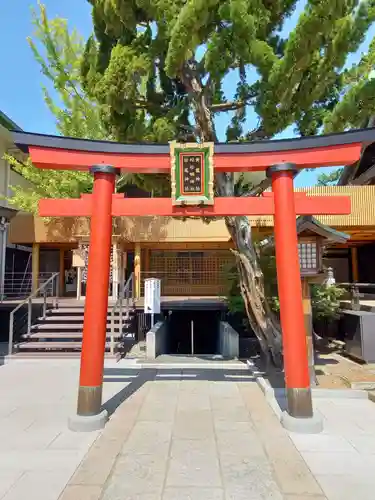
(125, 294)
(29, 302)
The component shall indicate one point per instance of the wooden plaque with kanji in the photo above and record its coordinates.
(192, 173)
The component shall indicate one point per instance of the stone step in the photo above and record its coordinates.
(77, 319)
(57, 327)
(54, 345)
(136, 351)
(63, 335)
(21, 355)
(80, 312)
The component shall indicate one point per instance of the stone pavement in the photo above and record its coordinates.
(38, 454)
(207, 435)
(342, 457)
(174, 434)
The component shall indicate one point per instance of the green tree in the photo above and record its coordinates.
(59, 54)
(356, 108)
(330, 179)
(158, 67)
(155, 70)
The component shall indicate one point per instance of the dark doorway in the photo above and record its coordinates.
(129, 265)
(205, 332)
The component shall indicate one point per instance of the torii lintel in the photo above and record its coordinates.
(133, 207)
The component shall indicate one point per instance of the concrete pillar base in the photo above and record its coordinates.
(310, 425)
(78, 423)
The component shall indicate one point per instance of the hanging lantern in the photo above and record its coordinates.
(310, 256)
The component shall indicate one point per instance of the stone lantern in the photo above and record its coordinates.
(312, 238)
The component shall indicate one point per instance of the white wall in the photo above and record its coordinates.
(228, 345)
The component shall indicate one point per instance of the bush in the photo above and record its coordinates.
(325, 301)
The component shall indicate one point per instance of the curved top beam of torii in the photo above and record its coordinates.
(64, 153)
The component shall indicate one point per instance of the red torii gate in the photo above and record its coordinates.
(281, 160)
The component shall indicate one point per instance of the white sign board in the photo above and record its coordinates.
(152, 296)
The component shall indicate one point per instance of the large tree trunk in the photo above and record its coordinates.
(260, 316)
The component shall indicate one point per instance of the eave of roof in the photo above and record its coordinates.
(310, 223)
(9, 124)
(25, 139)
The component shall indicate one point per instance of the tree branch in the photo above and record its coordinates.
(259, 188)
(228, 106)
(257, 134)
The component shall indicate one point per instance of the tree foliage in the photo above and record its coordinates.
(156, 70)
(356, 108)
(46, 184)
(59, 53)
(330, 179)
(150, 59)
(325, 301)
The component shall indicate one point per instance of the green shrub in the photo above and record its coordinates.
(325, 301)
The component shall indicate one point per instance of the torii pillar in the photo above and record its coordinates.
(89, 416)
(308, 152)
(300, 415)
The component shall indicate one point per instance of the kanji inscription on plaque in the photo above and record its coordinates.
(192, 174)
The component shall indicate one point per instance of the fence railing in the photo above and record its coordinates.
(358, 291)
(122, 306)
(24, 311)
(19, 285)
(189, 282)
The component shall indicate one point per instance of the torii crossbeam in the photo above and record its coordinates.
(133, 207)
(192, 168)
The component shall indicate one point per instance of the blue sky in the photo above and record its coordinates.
(20, 83)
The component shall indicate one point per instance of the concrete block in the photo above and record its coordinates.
(346, 487)
(46, 485)
(81, 492)
(77, 423)
(322, 443)
(156, 340)
(8, 478)
(228, 345)
(323, 463)
(143, 472)
(149, 437)
(254, 492)
(94, 470)
(246, 444)
(294, 477)
(193, 463)
(239, 414)
(123, 490)
(199, 427)
(313, 425)
(191, 493)
(69, 440)
(253, 475)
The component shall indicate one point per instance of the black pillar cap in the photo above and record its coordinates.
(104, 169)
(281, 167)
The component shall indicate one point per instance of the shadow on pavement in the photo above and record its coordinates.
(3, 352)
(135, 379)
(125, 375)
